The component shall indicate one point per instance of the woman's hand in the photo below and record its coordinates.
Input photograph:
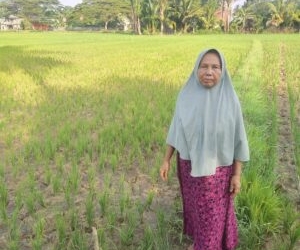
(165, 167)
(164, 170)
(235, 185)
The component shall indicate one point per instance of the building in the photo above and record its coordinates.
(11, 23)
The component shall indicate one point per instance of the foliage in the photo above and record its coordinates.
(185, 13)
(38, 11)
(164, 16)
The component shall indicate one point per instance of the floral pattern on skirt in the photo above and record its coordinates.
(208, 208)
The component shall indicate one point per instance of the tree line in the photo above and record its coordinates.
(159, 16)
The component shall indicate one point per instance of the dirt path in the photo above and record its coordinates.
(288, 180)
(288, 177)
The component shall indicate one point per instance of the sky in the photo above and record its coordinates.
(238, 2)
(70, 2)
(74, 2)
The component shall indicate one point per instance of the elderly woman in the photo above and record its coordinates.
(208, 133)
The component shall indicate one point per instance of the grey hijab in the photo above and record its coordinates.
(207, 127)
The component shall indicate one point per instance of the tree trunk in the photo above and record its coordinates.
(138, 28)
(161, 17)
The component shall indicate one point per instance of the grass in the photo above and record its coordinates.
(82, 135)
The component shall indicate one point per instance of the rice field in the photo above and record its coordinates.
(83, 122)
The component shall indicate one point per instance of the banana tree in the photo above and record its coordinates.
(184, 12)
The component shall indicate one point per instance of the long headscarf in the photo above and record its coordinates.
(207, 127)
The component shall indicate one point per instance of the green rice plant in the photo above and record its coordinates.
(149, 200)
(291, 226)
(104, 201)
(2, 171)
(61, 230)
(48, 175)
(162, 237)
(59, 163)
(3, 199)
(38, 231)
(73, 180)
(260, 205)
(14, 232)
(154, 173)
(102, 238)
(91, 173)
(56, 183)
(82, 146)
(40, 198)
(113, 162)
(127, 229)
(89, 209)
(107, 180)
(124, 201)
(13, 245)
(18, 199)
(122, 183)
(49, 147)
(294, 237)
(140, 207)
(102, 160)
(148, 240)
(111, 220)
(29, 202)
(74, 219)
(77, 240)
(69, 197)
(251, 236)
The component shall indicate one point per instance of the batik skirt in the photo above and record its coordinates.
(208, 209)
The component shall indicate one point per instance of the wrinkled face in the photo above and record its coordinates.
(210, 70)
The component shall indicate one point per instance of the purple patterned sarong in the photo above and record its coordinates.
(208, 209)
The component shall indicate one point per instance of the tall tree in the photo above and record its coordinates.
(150, 15)
(242, 19)
(208, 17)
(135, 14)
(42, 11)
(94, 13)
(108, 10)
(163, 4)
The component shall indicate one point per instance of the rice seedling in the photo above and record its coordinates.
(56, 183)
(61, 230)
(14, 232)
(90, 210)
(73, 180)
(3, 199)
(162, 230)
(124, 201)
(149, 199)
(111, 220)
(38, 232)
(148, 240)
(77, 240)
(127, 229)
(104, 201)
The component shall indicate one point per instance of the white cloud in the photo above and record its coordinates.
(70, 2)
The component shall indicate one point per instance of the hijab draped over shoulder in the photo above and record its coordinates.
(207, 127)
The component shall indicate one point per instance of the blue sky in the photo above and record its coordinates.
(70, 2)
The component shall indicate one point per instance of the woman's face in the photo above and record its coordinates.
(210, 70)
